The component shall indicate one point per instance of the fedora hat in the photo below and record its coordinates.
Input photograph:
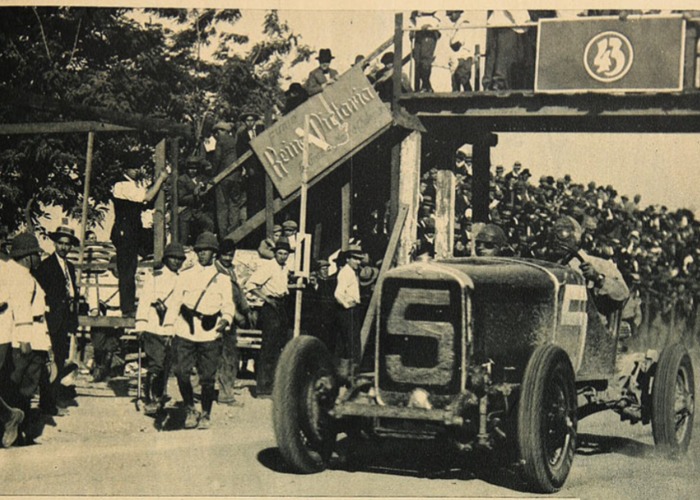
(324, 55)
(24, 244)
(64, 231)
(283, 244)
(368, 275)
(353, 249)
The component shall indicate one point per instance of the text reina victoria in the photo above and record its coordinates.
(319, 124)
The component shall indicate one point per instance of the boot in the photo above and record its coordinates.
(192, 419)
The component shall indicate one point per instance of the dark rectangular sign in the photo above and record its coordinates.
(599, 54)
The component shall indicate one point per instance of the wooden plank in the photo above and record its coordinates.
(444, 214)
(386, 264)
(229, 170)
(19, 99)
(174, 197)
(159, 206)
(408, 189)
(345, 212)
(60, 128)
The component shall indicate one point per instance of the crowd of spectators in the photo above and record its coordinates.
(656, 249)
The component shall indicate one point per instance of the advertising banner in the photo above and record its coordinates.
(599, 54)
(342, 117)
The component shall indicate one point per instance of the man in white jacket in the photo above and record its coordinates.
(202, 309)
(31, 344)
(156, 299)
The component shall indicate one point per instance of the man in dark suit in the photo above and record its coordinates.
(56, 275)
(255, 182)
(192, 192)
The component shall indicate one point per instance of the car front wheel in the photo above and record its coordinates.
(547, 419)
(304, 393)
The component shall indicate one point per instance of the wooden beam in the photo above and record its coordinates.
(444, 214)
(60, 128)
(386, 265)
(174, 196)
(17, 99)
(481, 165)
(346, 212)
(159, 206)
(409, 186)
(229, 170)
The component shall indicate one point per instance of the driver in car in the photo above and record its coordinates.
(603, 278)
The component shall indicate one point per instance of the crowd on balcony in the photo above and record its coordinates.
(656, 249)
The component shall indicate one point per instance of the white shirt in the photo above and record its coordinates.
(27, 302)
(347, 292)
(206, 290)
(158, 284)
(6, 316)
(130, 190)
(271, 278)
(459, 35)
(66, 273)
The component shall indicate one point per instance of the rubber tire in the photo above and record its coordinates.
(304, 431)
(547, 365)
(674, 362)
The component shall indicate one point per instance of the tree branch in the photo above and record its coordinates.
(75, 42)
(43, 35)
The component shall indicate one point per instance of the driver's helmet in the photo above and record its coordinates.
(491, 233)
(566, 232)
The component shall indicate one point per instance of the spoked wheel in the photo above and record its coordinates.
(304, 393)
(547, 419)
(673, 400)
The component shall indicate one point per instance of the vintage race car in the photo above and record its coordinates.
(482, 352)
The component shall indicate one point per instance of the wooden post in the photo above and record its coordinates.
(174, 196)
(316, 253)
(86, 203)
(269, 188)
(302, 222)
(408, 190)
(73, 347)
(346, 212)
(398, 228)
(480, 183)
(444, 214)
(159, 212)
(477, 68)
(398, 61)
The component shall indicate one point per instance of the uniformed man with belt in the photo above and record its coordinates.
(31, 344)
(155, 300)
(269, 282)
(202, 310)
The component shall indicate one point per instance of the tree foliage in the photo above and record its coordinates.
(148, 62)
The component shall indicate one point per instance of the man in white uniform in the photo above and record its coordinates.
(202, 309)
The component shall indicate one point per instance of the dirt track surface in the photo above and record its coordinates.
(106, 447)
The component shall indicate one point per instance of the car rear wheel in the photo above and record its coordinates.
(304, 392)
(547, 419)
(673, 400)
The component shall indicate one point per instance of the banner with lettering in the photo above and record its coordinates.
(342, 117)
(598, 54)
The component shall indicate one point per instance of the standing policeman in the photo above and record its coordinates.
(156, 298)
(202, 310)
